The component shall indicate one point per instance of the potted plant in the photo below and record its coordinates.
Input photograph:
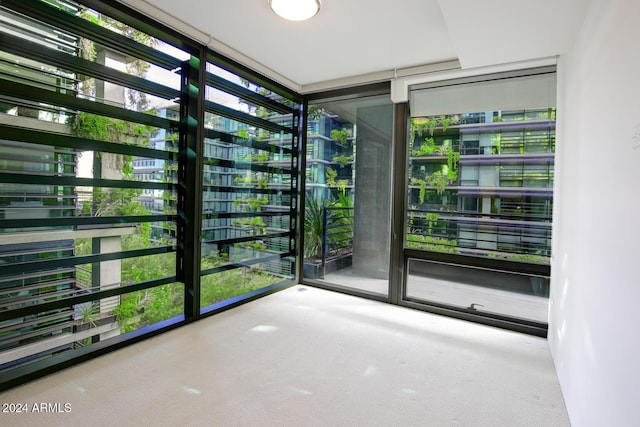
(313, 238)
(86, 316)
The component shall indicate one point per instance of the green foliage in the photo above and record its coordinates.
(445, 121)
(419, 125)
(341, 226)
(313, 227)
(423, 188)
(453, 158)
(443, 150)
(262, 113)
(261, 157)
(82, 246)
(342, 185)
(258, 246)
(535, 259)
(313, 224)
(116, 202)
(101, 128)
(331, 175)
(128, 310)
(263, 183)
(426, 148)
(243, 180)
(342, 160)
(438, 180)
(161, 303)
(343, 201)
(97, 127)
(228, 284)
(137, 100)
(496, 142)
(146, 307)
(88, 312)
(429, 243)
(314, 112)
(432, 220)
(141, 269)
(142, 308)
(256, 224)
(250, 204)
(341, 136)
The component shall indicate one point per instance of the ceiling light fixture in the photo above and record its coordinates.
(295, 10)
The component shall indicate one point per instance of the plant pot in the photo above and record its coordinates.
(338, 263)
(312, 271)
(81, 326)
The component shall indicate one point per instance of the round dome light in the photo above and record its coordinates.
(295, 10)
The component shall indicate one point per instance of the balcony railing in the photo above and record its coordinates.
(337, 236)
(505, 236)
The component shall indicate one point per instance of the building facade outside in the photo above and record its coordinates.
(482, 184)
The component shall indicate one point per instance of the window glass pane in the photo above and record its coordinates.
(348, 182)
(73, 327)
(105, 156)
(481, 290)
(249, 187)
(88, 195)
(480, 184)
(460, 175)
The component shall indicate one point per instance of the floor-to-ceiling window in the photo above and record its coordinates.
(479, 195)
(471, 191)
(250, 183)
(145, 182)
(348, 192)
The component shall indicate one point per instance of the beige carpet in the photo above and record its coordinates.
(308, 357)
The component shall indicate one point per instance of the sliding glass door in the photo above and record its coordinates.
(348, 193)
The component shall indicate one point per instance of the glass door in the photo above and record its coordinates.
(348, 193)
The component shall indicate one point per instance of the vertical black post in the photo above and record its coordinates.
(96, 280)
(399, 189)
(301, 155)
(190, 183)
(324, 240)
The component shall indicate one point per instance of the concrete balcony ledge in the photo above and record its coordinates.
(34, 124)
(54, 235)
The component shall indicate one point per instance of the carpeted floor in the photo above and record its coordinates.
(309, 357)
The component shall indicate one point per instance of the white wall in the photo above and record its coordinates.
(595, 302)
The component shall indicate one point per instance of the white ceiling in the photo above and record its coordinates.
(364, 39)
